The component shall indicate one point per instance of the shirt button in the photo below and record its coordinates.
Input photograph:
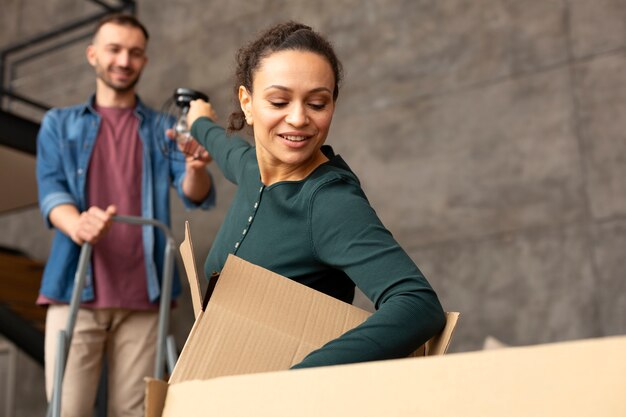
(236, 245)
(256, 204)
(244, 231)
(250, 219)
(79, 171)
(261, 189)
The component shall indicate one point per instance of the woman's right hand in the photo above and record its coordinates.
(200, 108)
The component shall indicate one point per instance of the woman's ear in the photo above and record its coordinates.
(245, 101)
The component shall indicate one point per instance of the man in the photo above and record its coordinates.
(96, 160)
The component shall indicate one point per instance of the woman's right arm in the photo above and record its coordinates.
(228, 152)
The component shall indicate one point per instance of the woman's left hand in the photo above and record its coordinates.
(200, 108)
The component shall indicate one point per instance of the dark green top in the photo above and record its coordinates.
(322, 232)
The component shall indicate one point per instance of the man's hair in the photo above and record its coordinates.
(122, 19)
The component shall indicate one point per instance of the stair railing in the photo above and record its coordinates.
(8, 67)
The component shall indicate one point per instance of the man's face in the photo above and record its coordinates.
(118, 54)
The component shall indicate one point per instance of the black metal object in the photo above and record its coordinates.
(18, 133)
(183, 96)
(22, 334)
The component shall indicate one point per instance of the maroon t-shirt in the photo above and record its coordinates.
(114, 177)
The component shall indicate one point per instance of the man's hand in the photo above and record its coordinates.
(197, 182)
(92, 224)
(196, 157)
(88, 226)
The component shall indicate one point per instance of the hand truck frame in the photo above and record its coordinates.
(165, 343)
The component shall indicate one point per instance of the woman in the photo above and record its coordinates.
(299, 210)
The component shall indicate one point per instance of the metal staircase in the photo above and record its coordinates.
(20, 112)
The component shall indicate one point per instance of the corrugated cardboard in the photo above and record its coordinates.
(258, 321)
(570, 379)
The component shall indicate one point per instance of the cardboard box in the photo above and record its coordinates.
(570, 379)
(253, 320)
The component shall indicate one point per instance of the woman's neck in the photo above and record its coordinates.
(272, 173)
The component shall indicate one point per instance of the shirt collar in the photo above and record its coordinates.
(140, 108)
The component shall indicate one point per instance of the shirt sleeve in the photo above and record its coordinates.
(52, 183)
(177, 172)
(348, 235)
(228, 152)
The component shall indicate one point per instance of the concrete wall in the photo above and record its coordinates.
(488, 134)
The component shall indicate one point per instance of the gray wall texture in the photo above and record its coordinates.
(488, 134)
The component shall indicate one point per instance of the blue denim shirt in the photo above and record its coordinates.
(64, 146)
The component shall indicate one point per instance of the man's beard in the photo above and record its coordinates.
(102, 74)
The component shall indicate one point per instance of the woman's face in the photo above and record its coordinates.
(290, 109)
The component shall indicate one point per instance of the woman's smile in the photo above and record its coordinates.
(290, 110)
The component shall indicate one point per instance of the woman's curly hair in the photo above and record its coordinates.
(284, 36)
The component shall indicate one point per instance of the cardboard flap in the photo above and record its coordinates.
(154, 401)
(186, 251)
(438, 344)
(258, 321)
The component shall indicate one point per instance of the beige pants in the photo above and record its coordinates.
(127, 337)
